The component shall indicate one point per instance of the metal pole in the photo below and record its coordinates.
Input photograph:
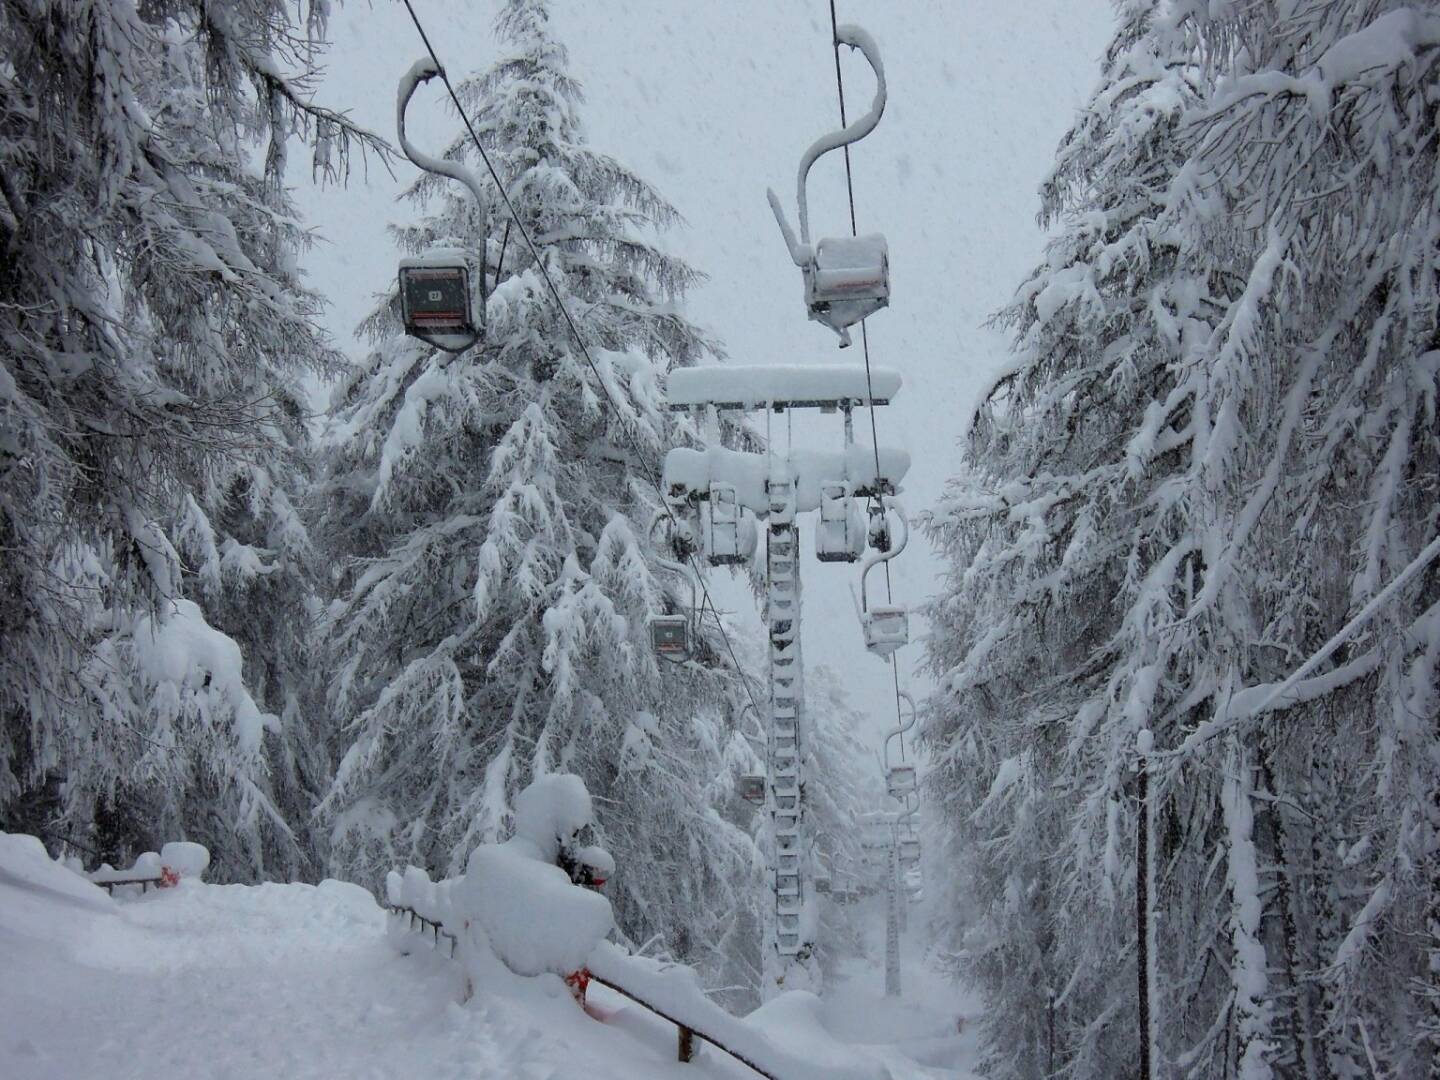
(892, 917)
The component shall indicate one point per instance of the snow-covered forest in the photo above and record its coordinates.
(337, 605)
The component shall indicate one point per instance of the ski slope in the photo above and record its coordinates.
(301, 981)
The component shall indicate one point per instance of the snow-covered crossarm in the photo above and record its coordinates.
(781, 386)
(689, 473)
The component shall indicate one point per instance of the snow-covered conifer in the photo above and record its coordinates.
(154, 335)
(1217, 445)
(494, 509)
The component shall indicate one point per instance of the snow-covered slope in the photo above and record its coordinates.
(300, 981)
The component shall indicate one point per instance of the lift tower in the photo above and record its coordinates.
(778, 486)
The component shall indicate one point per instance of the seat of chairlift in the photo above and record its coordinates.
(670, 636)
(840, 532)
(900, 781)
(437, 304)
(751, 788)
(847, 280)
(909, 851)
(730, 533)
(887, 628)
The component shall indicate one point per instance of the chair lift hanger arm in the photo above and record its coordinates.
(896, 732)
(856, 38)
(422, 71)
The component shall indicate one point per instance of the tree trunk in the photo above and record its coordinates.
(1142, 917)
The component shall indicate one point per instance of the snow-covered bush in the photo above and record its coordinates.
(514, 901)
(179, 860)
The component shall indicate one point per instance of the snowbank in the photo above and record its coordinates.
(41, 898)
(552, 809)
(534, 919)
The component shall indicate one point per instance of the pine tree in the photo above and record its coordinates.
(495, 511)
(155, 333)
(1217, 444)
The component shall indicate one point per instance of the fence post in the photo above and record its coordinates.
(687, 1043)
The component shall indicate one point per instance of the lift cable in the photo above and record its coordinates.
(864, 341)
(615, 411)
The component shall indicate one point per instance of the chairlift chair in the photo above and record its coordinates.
(751, 788)
(730, 536)
(673, 637)
(437, 303)
(900, 781)
(886, 626)
(437, 299)
(670, 637)
(847, 280)
(839, 535)
(878, 530)
(875, 836)
(909, 850)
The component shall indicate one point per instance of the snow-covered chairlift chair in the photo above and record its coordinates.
(751, 788)
(670, 637)
(674, 637)
(886, 626)
(840, 533)
(909, 850)
(437, 299)
(846, 278)
(900, 782)
(731, 536)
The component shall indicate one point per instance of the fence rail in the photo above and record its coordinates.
(158, 882)
(685, 1035)
(425, 924)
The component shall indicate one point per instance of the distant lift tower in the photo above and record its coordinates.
(778, 486)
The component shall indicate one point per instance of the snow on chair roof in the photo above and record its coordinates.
(781, 386)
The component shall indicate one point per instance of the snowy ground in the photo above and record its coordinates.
(300, 981)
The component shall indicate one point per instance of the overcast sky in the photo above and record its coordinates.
(714, 101)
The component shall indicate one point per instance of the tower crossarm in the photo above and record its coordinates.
(779, 387)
